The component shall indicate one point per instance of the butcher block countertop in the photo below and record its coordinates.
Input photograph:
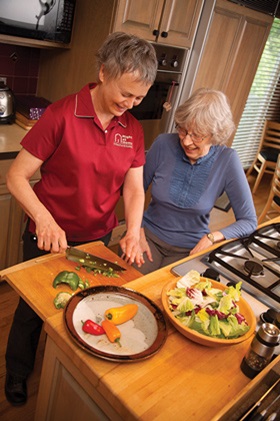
(183, 381)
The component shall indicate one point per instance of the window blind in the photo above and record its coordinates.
(263, 102)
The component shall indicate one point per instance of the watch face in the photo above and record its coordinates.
(211, 237)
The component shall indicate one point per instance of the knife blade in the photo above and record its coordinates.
(90, 261)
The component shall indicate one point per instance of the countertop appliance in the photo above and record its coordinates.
(7, 104)
(254, 260)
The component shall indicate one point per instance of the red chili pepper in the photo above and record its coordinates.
(93, 328)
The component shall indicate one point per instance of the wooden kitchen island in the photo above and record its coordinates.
(183, 381)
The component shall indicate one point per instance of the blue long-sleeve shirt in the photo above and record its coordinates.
(184, 194)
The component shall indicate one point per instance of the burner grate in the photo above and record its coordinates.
(267, 239)
(245, 263)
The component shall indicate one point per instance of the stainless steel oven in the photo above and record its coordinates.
(156, 111)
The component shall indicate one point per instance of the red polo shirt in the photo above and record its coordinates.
(84, 166)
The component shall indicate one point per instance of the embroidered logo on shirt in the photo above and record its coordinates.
(123, 141)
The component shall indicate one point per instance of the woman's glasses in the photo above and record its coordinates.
(183, 132)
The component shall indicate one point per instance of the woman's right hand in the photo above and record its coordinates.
(50, 237)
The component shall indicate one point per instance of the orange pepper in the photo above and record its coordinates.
(112, 332)
(119, 315)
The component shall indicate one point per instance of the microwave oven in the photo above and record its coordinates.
(48, 20)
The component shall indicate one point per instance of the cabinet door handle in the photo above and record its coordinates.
(164, 34)
(156, 32)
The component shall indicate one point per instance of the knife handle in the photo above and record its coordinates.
(259, 416)
(272, 416)
(250, 412)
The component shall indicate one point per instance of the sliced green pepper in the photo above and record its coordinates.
(81, 284)
(66, 277)
(61, 299)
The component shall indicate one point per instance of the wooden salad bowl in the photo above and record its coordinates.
(199, 338)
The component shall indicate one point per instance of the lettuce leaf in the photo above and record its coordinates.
(234, 291)
(214, 327)
(226, 304)
(185, 305)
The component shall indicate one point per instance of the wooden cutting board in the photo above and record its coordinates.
(33, 279)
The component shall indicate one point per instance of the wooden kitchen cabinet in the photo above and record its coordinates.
(11, 220)
(64, 385)
(171, 22)
(232, 51)
(64, 72)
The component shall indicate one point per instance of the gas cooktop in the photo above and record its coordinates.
(254, 260)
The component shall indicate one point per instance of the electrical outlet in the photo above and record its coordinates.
(3, 79)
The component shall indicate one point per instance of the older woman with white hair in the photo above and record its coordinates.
(188, 171)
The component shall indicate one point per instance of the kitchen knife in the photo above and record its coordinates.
(91, 261)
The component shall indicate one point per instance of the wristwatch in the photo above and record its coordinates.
(210, 236)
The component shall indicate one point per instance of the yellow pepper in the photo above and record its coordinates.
(119, 315)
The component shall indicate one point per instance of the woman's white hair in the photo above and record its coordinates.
(207, 111)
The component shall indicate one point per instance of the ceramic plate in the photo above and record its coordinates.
(141, 337)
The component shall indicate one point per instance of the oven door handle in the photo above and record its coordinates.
(167, 105)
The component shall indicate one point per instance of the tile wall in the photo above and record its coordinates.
(20, 65)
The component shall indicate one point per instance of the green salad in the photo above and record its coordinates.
(206, 309)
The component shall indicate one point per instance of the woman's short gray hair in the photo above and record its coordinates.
(125, 53)
(207, 111)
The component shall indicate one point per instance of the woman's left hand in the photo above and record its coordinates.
(131, 250)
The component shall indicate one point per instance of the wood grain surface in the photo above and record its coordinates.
(32, 280)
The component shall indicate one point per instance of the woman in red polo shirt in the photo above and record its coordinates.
(89, 148)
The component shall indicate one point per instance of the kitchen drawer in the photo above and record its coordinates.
(11, 219)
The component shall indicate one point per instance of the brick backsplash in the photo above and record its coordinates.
(20, 65)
